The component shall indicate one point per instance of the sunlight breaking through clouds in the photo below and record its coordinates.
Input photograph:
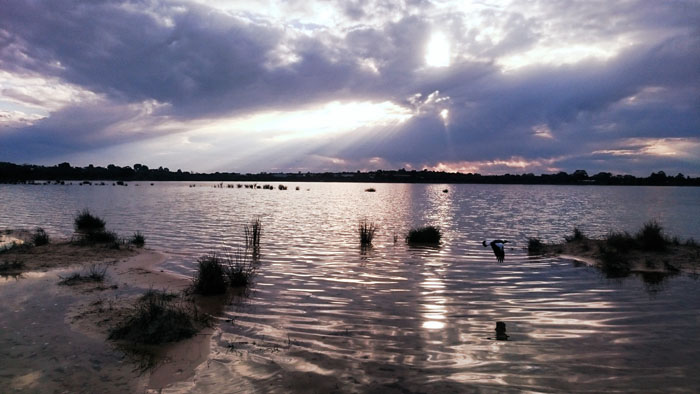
(663, 147)
(415, 83)
(329, 118)
(437, 53)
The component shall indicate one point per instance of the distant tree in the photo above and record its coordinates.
(580, 175)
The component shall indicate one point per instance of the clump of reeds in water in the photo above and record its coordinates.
(576, 236)
(424, 235)
(210, 277)
(158, 318)
(239, 270)
(366, 230)
(535, 246)
(215, 273)
(138, 239)
(253, 231)
(40, 237)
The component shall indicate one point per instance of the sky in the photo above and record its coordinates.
(488, 86)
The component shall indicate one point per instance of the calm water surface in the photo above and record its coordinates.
(326, 315)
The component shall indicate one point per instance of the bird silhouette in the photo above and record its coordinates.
(498, 247)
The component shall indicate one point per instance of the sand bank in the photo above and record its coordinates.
(57, 334)
(680, 258)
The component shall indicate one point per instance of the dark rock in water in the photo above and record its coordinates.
(501, 331)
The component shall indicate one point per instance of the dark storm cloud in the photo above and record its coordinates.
(72, 130)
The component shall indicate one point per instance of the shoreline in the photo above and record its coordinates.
(87, 311)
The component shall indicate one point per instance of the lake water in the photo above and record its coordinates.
(325, 314)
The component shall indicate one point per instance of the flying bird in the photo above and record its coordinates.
(498, 248)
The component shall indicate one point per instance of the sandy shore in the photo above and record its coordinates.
(43, 321)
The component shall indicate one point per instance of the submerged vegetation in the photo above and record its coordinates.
(424, 235)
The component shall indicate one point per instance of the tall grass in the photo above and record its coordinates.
(253, 231)
(239, 271)
(424, 235)
(366, 230)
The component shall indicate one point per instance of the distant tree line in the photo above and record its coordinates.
(24, 173)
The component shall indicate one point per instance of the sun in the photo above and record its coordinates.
(437, 52)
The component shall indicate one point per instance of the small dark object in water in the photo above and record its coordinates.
(424, 235)
(501, 331)
(445, 191)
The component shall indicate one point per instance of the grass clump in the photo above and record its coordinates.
(534, 246)
(210, 278)
(85, 222)
(156, 319)
(138, 239)
(215, 274)
(651, 237)
(424, 235)
(253, 231)
(620, 241)
(91, 231)
(239, 272)
(40, 237)
(94, 274)
(576, 236)
(100, 237)
(366, 230)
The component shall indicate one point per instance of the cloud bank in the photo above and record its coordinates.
(314, 86)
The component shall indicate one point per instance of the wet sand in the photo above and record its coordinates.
(55, 336)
